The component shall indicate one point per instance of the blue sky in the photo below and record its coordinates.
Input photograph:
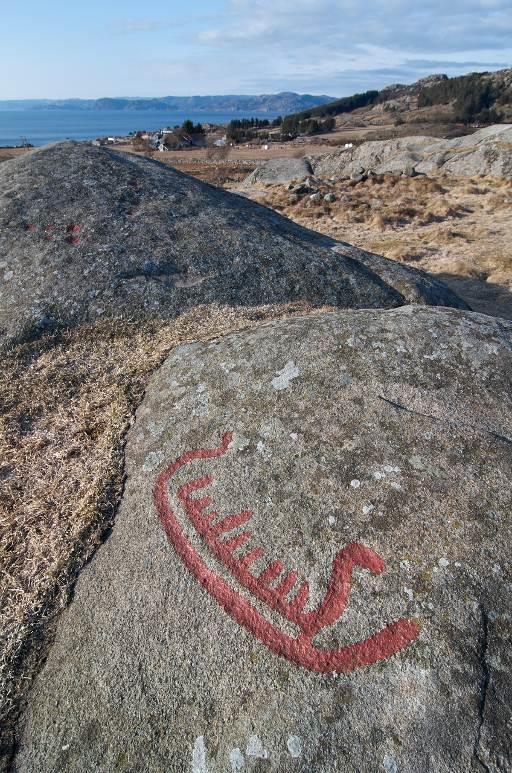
(97, 48)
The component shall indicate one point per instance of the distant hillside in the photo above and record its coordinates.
(476, 98)
(284, 102)
(307, 120)
(484, 97)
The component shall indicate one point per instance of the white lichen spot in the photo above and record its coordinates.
(260, 447)
(294, 436)
(152, 461)
(395, 485)
(283, 377)
(154, 429)
(389, 763)
(355, 483)
(443, 562)
(199, 756)
(8, 275)
(201, 388)
(379, 475)
(65, 747)
(417, 463)
(367, 509)
(331, 520)
(236, 758)
(294, 745)
(409, 593)
(405, 564)
(255, 748)
(240, 443)
(203, 406)
(389, 468)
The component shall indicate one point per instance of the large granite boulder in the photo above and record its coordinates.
(88, 233)
(486, 152)
(279, 170)
(379, 156)
(311, 566)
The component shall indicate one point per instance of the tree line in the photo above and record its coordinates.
(245, 129)
(302, 123)
(474, 97)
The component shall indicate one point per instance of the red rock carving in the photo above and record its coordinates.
(299, 650)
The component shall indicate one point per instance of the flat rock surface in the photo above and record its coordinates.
(353, 613)
(88, 233)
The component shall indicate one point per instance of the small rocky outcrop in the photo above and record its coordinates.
(487, 151)
(279, 170)
(88, 233)
(310, 568)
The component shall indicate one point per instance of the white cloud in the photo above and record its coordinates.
(339, 46)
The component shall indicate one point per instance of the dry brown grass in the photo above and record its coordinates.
(457, 228)
(8, 153)
(223, 174)
(67, 402)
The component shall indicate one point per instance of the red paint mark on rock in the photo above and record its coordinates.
(73, 228)
(299, 650)
(31, 227)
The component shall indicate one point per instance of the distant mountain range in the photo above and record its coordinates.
(284, 102)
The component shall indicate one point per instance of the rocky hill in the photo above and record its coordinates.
(441, 102)
(87, 234)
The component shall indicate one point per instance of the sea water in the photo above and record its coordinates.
(39, 127)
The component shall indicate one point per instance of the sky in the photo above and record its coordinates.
(56, 49)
